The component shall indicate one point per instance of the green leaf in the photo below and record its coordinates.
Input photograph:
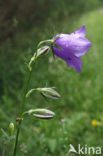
(52, 144)
(4, 133)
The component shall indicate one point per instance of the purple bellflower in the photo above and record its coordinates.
(73, 46)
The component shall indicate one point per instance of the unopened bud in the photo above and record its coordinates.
(49, 93)
(41, 113)
(46, 92)
(12, 128)
(42, 51)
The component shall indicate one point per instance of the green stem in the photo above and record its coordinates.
(21, 112)
(31, 63)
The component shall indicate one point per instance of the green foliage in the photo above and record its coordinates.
(81, 93)
(20, 16)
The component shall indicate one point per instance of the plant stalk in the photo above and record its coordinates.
(22, 110)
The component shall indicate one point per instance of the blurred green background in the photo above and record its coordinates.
(22, 25)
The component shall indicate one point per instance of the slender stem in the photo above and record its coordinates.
(31, 63)
(3, 150)
(16, 140)
(22, 110)
(25, 91)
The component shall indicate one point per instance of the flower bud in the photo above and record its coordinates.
(42, 51)
(11, 127)
(46, 92)
(41, 113)
(49, 93)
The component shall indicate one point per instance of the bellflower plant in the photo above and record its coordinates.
(70, 48)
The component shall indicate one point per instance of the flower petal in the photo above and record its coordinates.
(75, 62)
(80, 47)
(72, 46)
(60, 53)
(81, 32)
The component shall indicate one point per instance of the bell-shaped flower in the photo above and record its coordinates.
(73, 46)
